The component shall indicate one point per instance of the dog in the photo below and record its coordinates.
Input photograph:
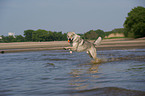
(79, 45)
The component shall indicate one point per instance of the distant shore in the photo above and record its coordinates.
(107, 44)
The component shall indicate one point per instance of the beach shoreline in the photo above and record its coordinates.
(107, 44)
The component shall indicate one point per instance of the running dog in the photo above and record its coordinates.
(80, 45)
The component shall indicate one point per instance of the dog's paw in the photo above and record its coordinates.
(70, 52)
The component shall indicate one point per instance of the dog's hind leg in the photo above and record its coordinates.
(92, 53)
(88, 52)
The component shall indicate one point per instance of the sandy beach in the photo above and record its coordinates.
(106, 44)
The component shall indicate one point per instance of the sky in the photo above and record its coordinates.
(78, 16)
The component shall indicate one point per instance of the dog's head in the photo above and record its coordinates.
(70, 36)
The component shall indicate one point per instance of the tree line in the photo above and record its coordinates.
(43, 35)
(36, 36)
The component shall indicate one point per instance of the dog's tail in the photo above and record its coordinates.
(98, 41)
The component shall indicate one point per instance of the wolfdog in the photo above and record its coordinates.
(79, 45)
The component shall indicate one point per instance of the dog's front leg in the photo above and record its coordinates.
(68, 48)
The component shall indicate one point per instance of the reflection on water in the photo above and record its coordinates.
(80, 77)
(59, 73)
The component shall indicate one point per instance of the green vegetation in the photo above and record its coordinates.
(36, 36)
(28, 35)
(135, 23)
(94, 34)
(115, 31)
(43, 35)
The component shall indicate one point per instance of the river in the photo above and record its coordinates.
(59, 73)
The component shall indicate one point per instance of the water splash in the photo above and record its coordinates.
(112, 59)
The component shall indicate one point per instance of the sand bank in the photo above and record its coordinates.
(107, 44)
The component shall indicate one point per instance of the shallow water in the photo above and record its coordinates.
(59, 73)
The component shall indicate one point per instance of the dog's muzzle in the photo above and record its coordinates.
(70, 40)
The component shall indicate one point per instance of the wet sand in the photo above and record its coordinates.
(107, 44)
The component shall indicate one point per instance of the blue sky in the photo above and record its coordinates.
(79, 16)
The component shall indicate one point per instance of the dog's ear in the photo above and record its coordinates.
(73, 32)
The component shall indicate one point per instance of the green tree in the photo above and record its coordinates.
(135, 22)
(8, 39)
(20, 38)
(39, 35)
(64, 36)
(94, 34)
(100, 33)
(28, 35)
